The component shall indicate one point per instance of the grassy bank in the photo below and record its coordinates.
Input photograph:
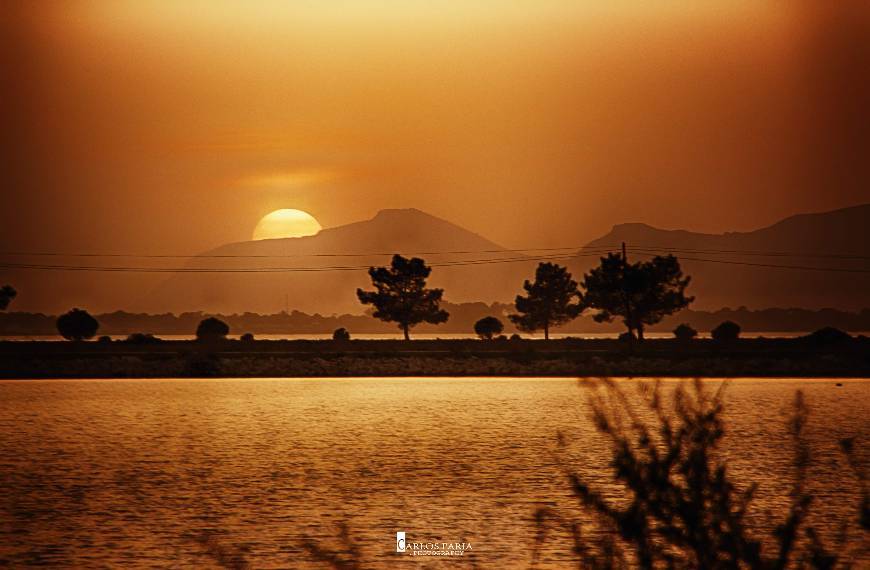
(566, 357)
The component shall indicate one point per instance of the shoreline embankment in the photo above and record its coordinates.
(785, 357)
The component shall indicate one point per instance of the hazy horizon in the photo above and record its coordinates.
(165, 128)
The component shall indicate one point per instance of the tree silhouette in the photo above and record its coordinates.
(77, 324)
(726, 331)
(488, 327)
(7, 293)
(212, 329)
(685, 332)
(641, 293)
(401, 296)
(341, 334)
(549, 301)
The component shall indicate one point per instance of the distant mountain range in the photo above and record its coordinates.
(325, 268)
(728, 270)
(739, 268)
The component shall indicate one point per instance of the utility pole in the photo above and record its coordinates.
(625, 296)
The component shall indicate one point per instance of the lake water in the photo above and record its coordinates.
(228, 472)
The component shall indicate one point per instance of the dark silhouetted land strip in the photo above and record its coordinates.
(462, 319)
(801, 357)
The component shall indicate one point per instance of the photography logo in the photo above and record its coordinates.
(400, 542)
(431, 547)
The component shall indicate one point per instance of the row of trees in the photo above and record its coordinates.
(78, 324)
(640, 293)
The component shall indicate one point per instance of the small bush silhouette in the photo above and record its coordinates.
(247, 337)
(77, 324)
(727, 331)
(105, 339)
(142, 338)
(626, 337)
(828, 336)
(488, 327)
(685, 333)
(341, 334)
(211, 329)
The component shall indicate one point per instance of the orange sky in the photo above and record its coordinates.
(174, 126)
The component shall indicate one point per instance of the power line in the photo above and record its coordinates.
(98, 268)
(449, 263)
(290, 255)
(772, 265)
(530, 250)
(749, 252)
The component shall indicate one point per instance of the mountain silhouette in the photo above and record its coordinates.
(322, 282)
(326, 283)
(839, 239)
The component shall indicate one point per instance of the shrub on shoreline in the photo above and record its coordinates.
(488, 327)
(685, 333)
(212, 329)
(142, 338)
(727, 331)
(77, 324)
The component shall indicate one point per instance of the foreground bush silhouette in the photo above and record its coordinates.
(683, 509)
(727, 331)
(211, 329)
(488, 327)
(77, 324)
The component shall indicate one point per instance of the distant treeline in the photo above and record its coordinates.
(462, 319)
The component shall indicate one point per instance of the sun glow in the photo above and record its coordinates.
(286, 223)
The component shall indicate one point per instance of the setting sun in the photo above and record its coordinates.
(290, 284)
(286, 223)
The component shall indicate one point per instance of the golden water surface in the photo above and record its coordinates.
(236, 472)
